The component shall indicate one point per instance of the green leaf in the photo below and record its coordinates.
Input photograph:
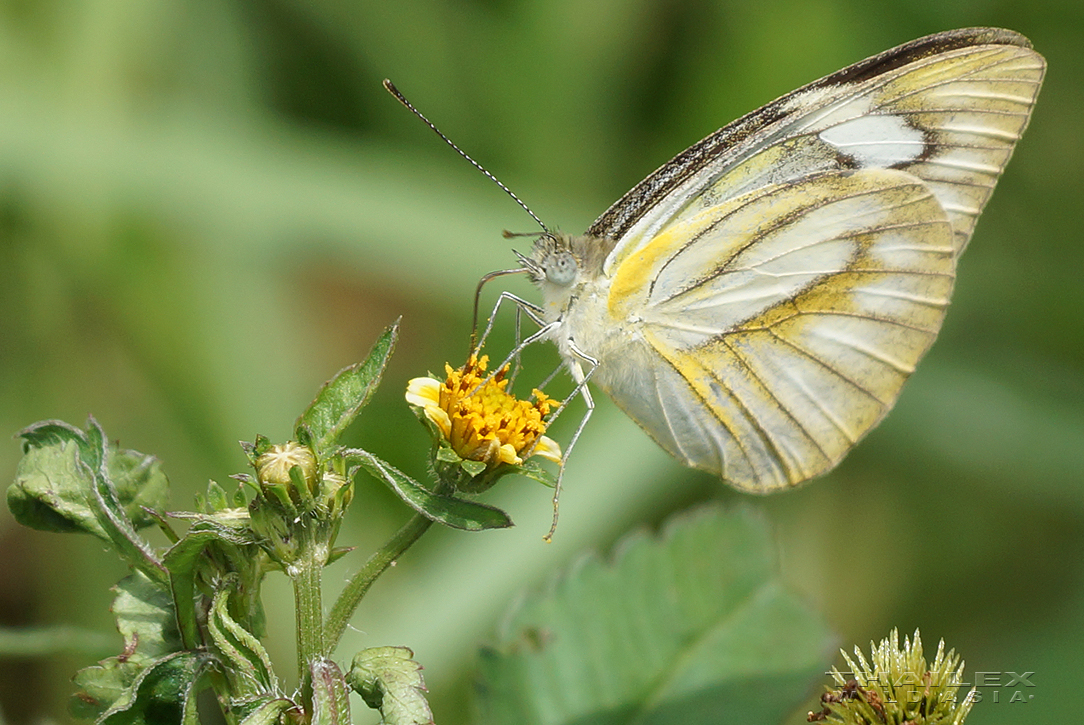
(342, 397)
(141, 485)
(52, 491)
(71, 481)
(389, 680)
(248, 666)
(183, 559)
(330, 696)
(534, 469)
(691, 627)
(454, 512)
(102, 685)
(147, 622)
(267, 712)
(472, 468)
(145, 618)
(163, 693)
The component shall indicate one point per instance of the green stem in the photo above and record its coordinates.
(306, 575)
(359, 584)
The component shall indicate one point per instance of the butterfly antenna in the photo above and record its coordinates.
(390, 88)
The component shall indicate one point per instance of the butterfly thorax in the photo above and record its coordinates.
(568, 271)
(563, 267)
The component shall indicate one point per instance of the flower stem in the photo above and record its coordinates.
(306, 575)
(359, 584)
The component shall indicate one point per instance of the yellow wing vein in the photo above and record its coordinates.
(859, 91)
(853, 315)
(824, 409)
(936, 302)
(727, 267)
(737, 439)
(754, 421)
(972, 76)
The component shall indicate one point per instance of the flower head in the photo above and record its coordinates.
(273, 465)
(480, 421)
(898, 686)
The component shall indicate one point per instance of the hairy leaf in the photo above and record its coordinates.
(389, 680)
(64, 484)
(249, 666)
(165, 692)
(330, 696)
(342, 397)
(145, 618)
(454, 512)
(691, 627)
(183, 560)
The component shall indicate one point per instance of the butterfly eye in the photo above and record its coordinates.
(561, 268)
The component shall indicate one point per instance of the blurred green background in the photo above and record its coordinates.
(207, 208)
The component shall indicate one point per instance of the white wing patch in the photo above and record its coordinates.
(878, 142)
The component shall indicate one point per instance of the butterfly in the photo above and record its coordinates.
(757, 303)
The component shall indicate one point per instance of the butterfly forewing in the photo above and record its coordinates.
(952, 120)
(948, 108)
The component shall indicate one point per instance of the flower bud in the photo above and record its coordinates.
(275, 474)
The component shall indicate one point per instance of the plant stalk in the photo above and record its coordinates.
(306, 574)
(359, 584)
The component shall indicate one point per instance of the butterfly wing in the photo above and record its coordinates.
(785, 275)
(947, 108)
(779, 328)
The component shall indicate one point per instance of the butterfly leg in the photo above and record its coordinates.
(533, 311)
(581, 388)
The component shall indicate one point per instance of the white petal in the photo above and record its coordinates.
(547, 448)
(423, 392)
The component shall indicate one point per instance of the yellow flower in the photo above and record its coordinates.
(480, 419)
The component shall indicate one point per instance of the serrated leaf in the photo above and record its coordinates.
(102, 685)
(342, 397)
(64, 483)
(140, 484)
(183, 558)
(691, 627)
(146, 620)
(454, 512)
(267, 712)
(163, 693)
(389, 680)
(248, 666)
(52, 491)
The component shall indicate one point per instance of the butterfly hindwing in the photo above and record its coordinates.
(813, 303)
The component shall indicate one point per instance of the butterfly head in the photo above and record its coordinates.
(551, 262)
